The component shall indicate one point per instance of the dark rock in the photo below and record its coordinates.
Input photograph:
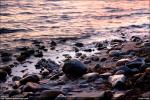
(105, 95)
(7, 69)
(78, 54)
(61, 97)
(29, 78)
(95, 58)
(117, 81)
(84, 85)
(45, 72)
(87, 61)
(30, 87)
(53, 43)
(49, 95)
(13, 92)
(119, 95)
(135, 64)
(88, 50)
(6, 56)
(76, 49)
(8, 30)
(21, 58)
(136, 39)
(48, 64)
(38, 53)
(3, 74)
(97, 67)
(115, 53)
(117, 41)
(74, 68)
(79, 44)
(16, 78)
(103, 59)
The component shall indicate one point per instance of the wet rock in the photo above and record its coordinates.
(3, 74)
(85, 85)
(87, 61)
(78, 54)
(38, 53)
(100, 46)
(49, 95)
(90, 76)
(105, 95)
(95, 58)
(117, 81)
(83, 56)
(125, 69)
(6, 68)
(53, 43)
(76, 49)
(122, 62)
(9, 30)
(105, 75)
(61, 97)
(16, 78)
(13, 92)
(88, 50)
(21, 58)
(30, 87)
(103, 59)
(45, 72)
(5, 56)
(30, 78)
(135, 64)
(115, 53)
(119, 72)
(74, 68)
(136, 39)
(99, 81)
(78, 44)
(119, 95)
(48, 64)
(117, 41)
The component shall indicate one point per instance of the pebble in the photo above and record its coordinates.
(78, 44)
(115, 53)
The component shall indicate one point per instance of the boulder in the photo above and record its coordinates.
(74, 68)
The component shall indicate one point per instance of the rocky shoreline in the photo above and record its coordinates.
(109, 70)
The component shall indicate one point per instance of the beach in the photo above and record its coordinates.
(63, 50)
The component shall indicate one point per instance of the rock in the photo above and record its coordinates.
(13, 92)
(7, 69)
(61, 97)
(38, 53)
(45, 72)
(95, 58)
(53, 43)
(85, 85)
(115, 53)
(6, 56)
(29, 78)
(135, 64)
(90, 76)
(88, 50)
(76, 49)
(103, 59)
(136, 39)
(79, 44)
(16, 78)
(21, 58)
(122, 62)
(74, 68)
(30, 87)
(119, 95)
(119, 72)
(3, 74)
(117, 41)
(105, 95)
(83, 56)
(48, 64)
(127, 71)
(117, 81)
(87, 61)
(105, 75)
(145, 95)
(49, 94)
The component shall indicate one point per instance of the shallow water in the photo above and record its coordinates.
(92, 19)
